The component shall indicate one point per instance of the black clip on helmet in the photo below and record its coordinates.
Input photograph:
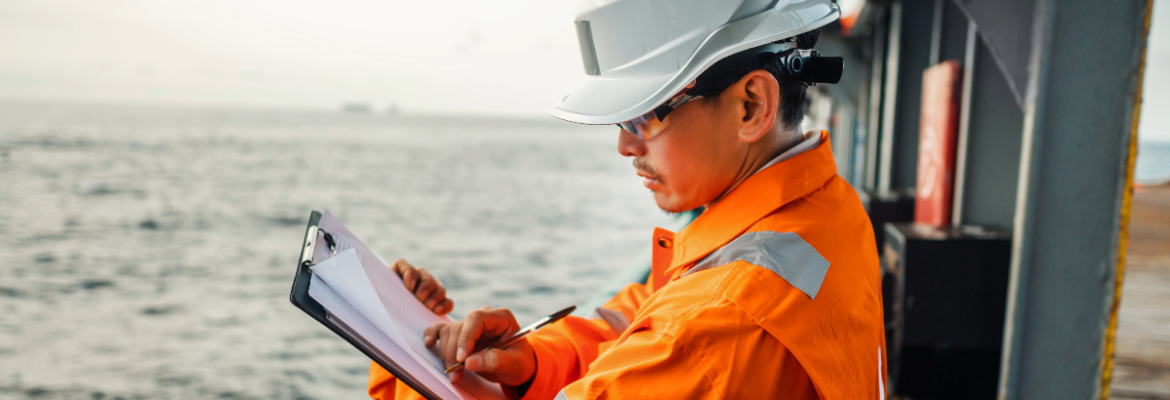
(811, 68)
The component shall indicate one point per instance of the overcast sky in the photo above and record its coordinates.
(1155, 122)
(461, 56)
(430, 56)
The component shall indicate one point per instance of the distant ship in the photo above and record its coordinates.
(356, 108)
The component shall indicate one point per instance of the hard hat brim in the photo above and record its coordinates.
(602, 101)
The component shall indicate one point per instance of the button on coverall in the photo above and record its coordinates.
(772, 293)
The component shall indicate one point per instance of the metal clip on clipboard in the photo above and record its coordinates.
(332, 245)
(310, 241)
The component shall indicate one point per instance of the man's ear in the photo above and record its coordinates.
(756, 97)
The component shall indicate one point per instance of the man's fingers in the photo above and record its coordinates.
(396, 266)
(411, 280)
(469, 333)
(426, 285)
(481, 324)
(445, 307)
(431, 334)
(489, 361)
(511, 366)
(426, 288)
(436, 297)
(400, 266)
(406, 272)
(448, 344)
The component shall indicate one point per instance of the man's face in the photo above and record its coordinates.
(693, 160)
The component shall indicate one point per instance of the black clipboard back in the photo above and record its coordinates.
(301, 299)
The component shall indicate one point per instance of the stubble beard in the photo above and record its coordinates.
(646, 169)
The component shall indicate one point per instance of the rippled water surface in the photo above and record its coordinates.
(148, 253)
(1153, 162)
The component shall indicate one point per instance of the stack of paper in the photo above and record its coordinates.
(370, 300)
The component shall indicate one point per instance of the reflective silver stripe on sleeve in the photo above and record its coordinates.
(784, 253)
(561, 395)
(881, 382)
(616, 320)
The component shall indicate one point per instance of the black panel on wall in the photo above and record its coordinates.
(993, 146)
(917, 28)
(953, 44)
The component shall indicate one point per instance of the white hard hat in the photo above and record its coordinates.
(640, 53)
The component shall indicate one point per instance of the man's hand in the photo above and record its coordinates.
(514, 365)
(426, 288)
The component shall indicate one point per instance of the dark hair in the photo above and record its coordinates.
(727, 71)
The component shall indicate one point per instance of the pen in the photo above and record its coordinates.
(541, 323)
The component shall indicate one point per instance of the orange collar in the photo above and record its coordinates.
(754, 199)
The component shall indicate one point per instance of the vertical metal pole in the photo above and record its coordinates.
(860, 139)
(842, 129)
(936, 32)
(1126, 203)
(964, 124)
(1078, 113)
(873, 120)
(889, 103)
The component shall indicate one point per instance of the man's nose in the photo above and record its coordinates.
(630, 144)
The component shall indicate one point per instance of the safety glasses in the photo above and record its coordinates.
(650, 124)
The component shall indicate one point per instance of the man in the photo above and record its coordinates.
(773, 292)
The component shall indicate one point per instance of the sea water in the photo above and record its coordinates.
(1153, 162)
(148, 252)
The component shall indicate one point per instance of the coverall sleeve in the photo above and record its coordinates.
(384, 386)
(564, 350)
(628, 300)
(646, 365)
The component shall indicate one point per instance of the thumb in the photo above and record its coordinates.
(508, 365)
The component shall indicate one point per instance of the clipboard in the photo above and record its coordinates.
(301, 299)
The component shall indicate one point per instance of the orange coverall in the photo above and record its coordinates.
(773, 292)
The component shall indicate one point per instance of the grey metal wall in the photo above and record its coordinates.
(987, 195)
(1006, 28)
(1048, 105)
(1084, 76)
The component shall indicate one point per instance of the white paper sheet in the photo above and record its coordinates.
(381, 304)
(341, 309)
(346, 276)
(360, 278)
